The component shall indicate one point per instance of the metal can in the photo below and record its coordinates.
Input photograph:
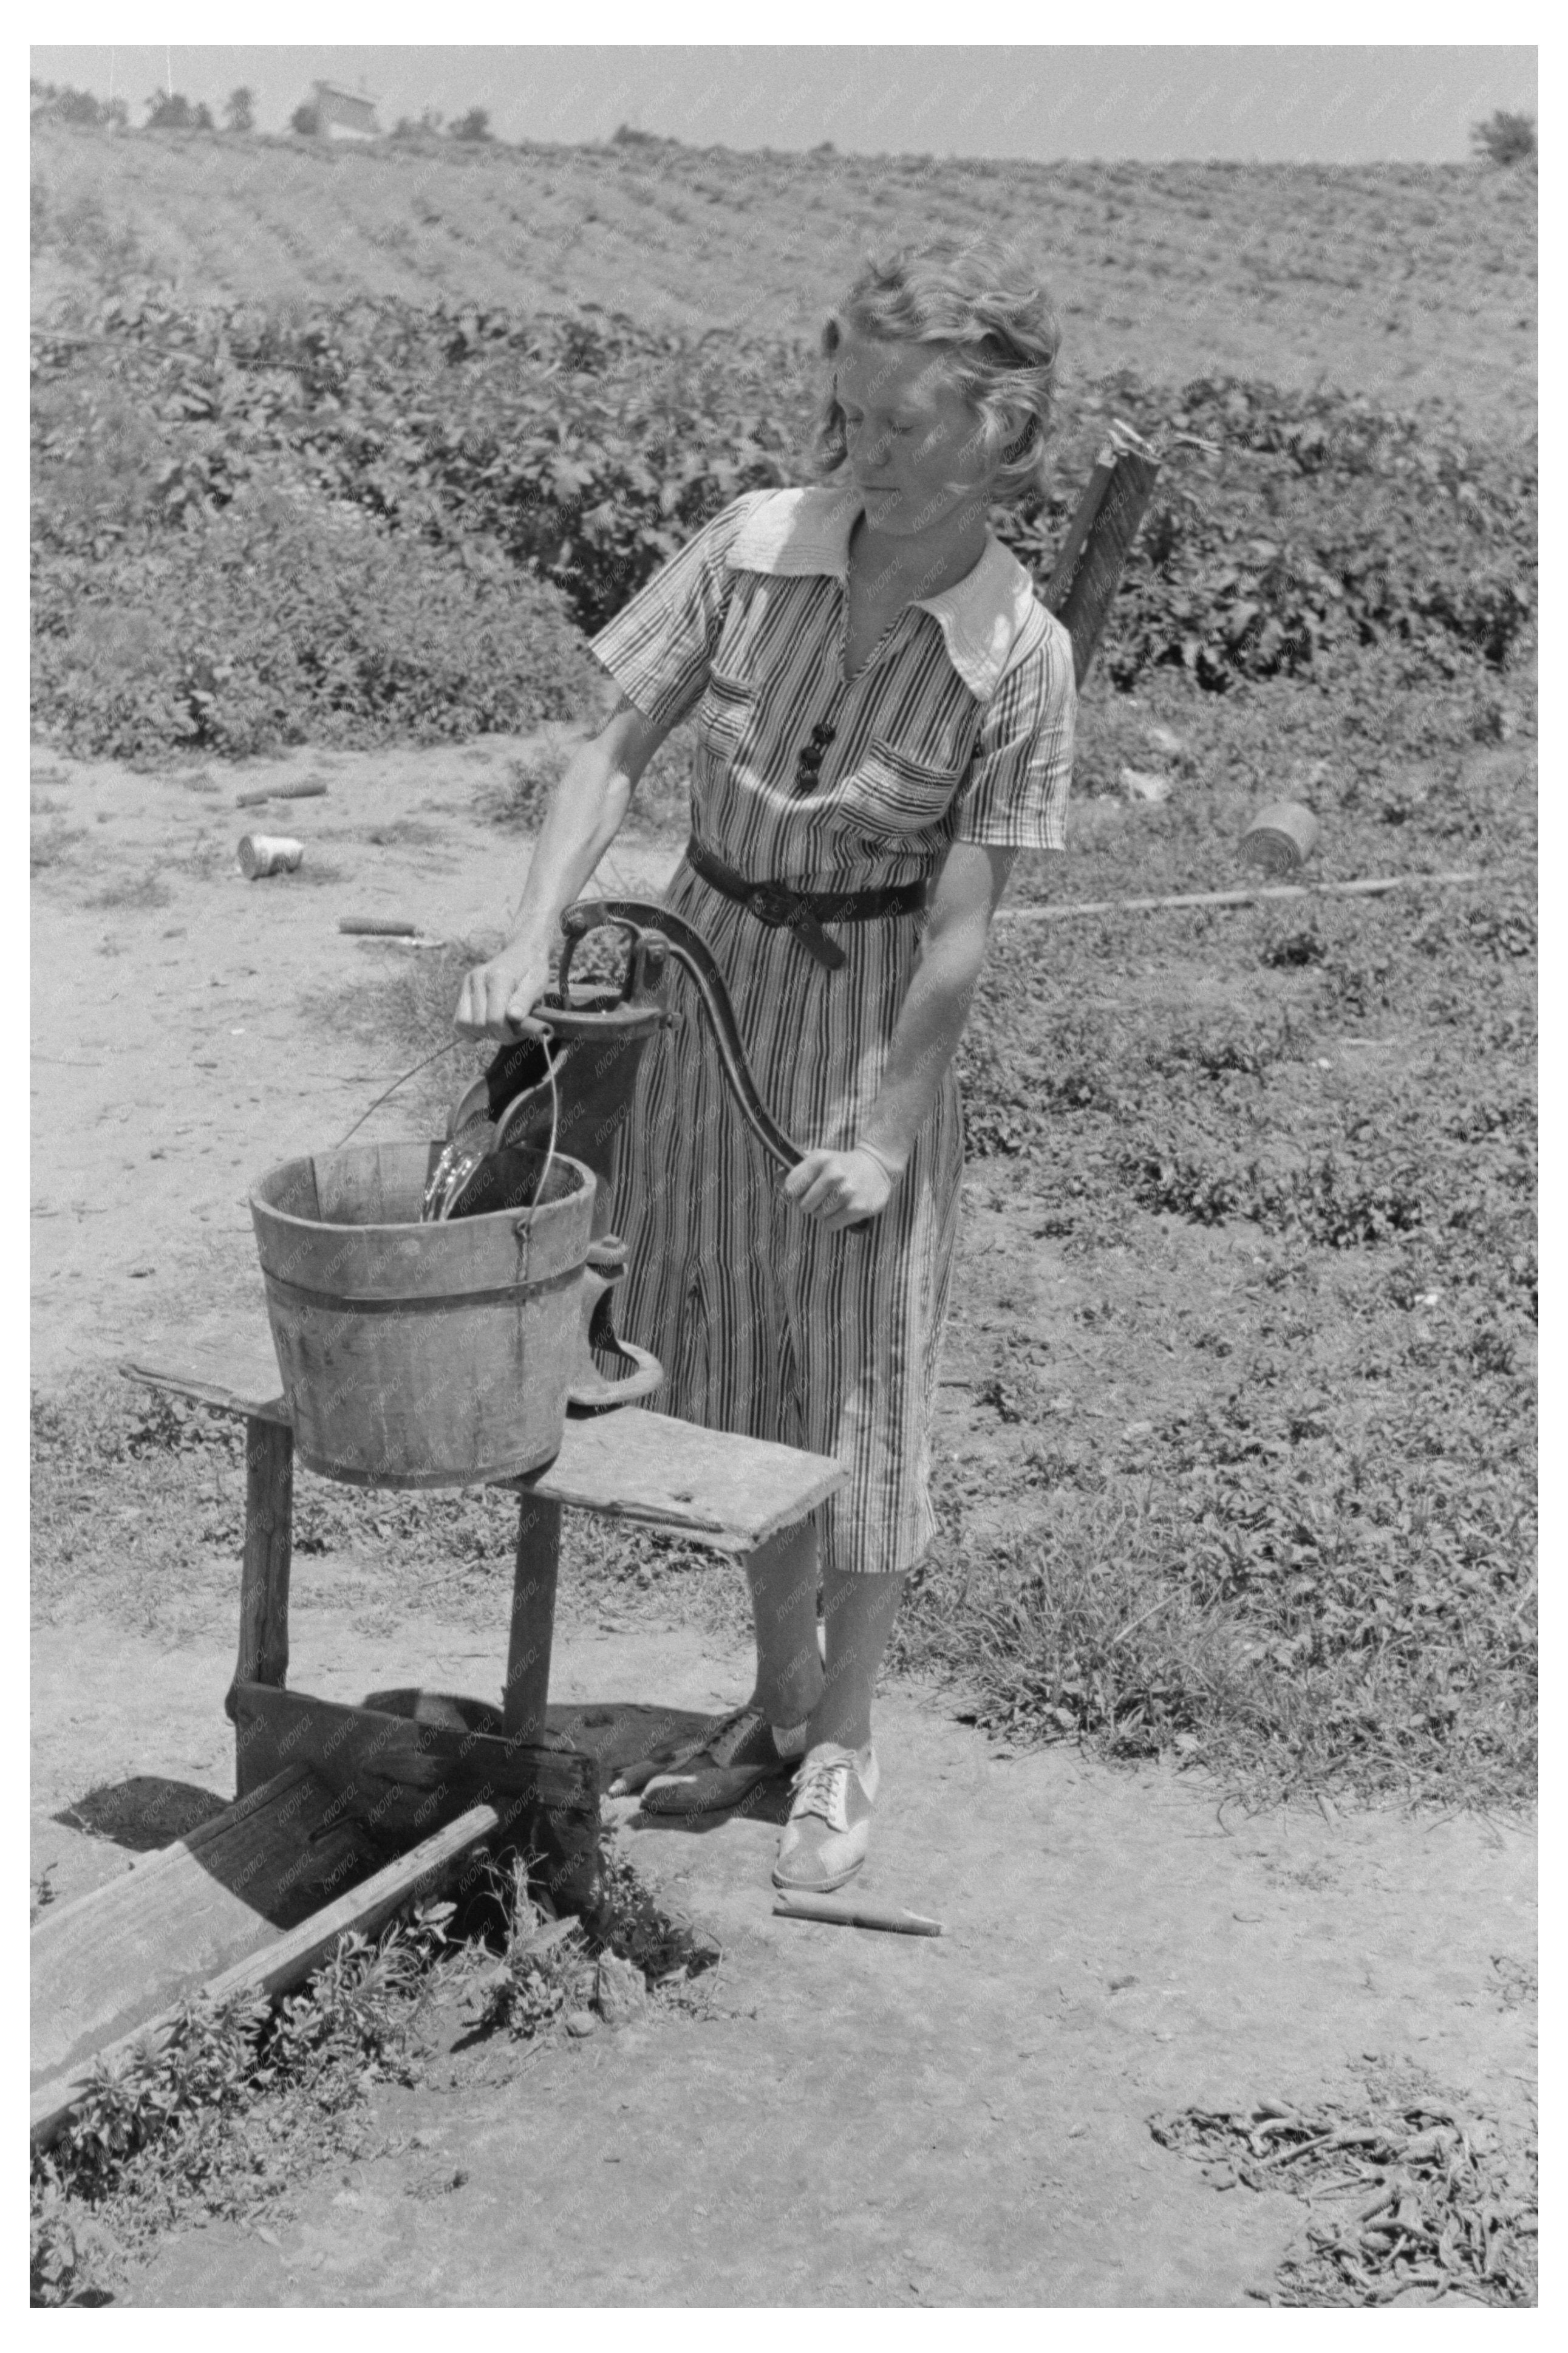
(1280, 838)
(267, 853)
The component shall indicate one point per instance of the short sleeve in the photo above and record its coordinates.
(1015, 795)
(658, 645)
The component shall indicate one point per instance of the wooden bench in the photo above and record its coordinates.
(343, 1813)
(410, 1773)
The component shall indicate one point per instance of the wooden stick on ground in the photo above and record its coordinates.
(853, 1912)
(1372, 886)
(281, 793)
(378, 927)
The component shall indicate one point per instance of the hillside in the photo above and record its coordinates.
(1414, 285)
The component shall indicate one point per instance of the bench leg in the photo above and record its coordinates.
(564, 1848)
(527, 1689)
(264, 1577)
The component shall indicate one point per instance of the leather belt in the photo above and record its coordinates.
(806, 912)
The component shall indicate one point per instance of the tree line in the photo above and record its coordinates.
(170, 110)
(1503, 139)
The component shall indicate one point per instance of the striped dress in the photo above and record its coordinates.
(959, 728)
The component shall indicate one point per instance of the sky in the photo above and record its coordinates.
(1330, 104)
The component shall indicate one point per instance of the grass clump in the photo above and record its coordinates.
(1299, 1597)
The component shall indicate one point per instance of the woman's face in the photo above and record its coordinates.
(914, 445)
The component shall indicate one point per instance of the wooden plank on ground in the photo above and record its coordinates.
(102, 1965)
(717, 1489)
(289, 1957)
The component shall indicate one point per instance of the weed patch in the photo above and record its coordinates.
(219, 2113)
(227, 2112)
(1423, 2203)
(150, 889)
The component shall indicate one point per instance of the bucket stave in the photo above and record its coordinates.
(412, 1354)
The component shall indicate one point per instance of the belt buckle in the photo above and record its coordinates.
(772, 903)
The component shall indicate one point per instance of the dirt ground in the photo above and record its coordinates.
(860, 2120)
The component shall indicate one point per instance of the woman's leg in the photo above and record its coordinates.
(829, 1826)
(783, 1577)
(860, 1612)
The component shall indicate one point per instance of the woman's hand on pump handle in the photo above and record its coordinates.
(841, 1188)
(498, 997)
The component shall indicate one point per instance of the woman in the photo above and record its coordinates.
(885, 717)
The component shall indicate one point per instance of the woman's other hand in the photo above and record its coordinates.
(840, 1188)
(498, 997)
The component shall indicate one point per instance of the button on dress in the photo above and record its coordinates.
(959, 728)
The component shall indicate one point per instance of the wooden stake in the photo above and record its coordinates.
(1084, 579)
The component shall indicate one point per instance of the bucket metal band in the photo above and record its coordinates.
(443, 1302)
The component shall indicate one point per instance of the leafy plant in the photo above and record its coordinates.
(1504, 138)
(544, 1970)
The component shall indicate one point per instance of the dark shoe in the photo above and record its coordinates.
(724, 1764)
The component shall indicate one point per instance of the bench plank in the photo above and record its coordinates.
(720, 1489)
(247, 1389)
(716, 1489)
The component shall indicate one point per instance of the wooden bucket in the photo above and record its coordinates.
(420, 1354)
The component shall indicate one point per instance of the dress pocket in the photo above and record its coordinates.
(892, 795)
(724, 712)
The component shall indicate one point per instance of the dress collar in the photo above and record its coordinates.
(794, 533)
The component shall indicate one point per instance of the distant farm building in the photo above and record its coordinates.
(343, 114)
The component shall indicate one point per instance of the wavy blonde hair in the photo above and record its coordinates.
(980, 303)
